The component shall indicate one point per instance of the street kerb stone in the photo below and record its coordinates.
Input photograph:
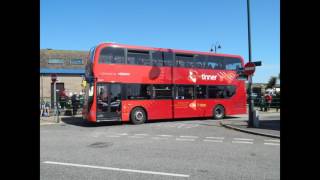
(256, 132)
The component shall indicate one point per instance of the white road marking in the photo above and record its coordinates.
(214, 137)
(272, 144)
(117, 169)
(179, 139)
(141, 134)
(244, 142)
(122, 134)
(165, 135)
(209, 140)
(243, 139)
(112, 136)
(189, 136)
(272, 140)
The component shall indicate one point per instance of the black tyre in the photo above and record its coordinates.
(218, 112)
(138, 116)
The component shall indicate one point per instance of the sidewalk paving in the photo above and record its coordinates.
(269, 124)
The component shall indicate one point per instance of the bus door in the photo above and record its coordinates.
(108, 101)
(185, 105)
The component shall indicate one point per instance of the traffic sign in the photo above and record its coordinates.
(257, 63)
(249, 68)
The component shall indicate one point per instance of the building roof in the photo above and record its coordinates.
(61, 71)
(56, 51)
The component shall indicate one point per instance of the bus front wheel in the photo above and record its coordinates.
(218, 112)
(138, 116)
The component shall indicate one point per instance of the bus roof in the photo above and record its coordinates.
(177, 51)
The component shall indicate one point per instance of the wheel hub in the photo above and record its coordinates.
(139, 115)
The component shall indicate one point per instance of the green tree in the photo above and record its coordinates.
(272, 82)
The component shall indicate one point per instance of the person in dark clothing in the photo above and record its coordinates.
(262, 103)
(75, 103)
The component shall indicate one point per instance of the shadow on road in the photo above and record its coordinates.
(78, 121)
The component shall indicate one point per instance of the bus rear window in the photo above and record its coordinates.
(110, 55)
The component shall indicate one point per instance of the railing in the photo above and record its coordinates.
(64, 108)
(262, 104)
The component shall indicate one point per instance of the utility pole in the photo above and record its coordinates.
(250, 123)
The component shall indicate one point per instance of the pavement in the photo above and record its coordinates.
(269, 124)
(53, 119)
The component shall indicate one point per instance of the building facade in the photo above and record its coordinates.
(69, 66)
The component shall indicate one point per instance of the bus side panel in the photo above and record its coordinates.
(206, 107)
(133, 74)
(156, 109)
(186, 108)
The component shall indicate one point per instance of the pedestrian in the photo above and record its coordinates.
(42, 108)
(262, 103)
(62, 98)
(47, 109)
(268, 99)
(74, 101)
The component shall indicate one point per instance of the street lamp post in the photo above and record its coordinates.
(215, 47)
(250, 123)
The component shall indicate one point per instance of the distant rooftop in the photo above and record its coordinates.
(54, 51)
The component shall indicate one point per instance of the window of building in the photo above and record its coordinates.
(138, 91)
(56, 61)
(184, 92)
(201, 92)
(138, 57)
(232, 63)
(221, 91)
(76, 61)
(162, 91)
(111, 55)
(184, 60)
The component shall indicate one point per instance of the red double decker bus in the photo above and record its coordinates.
(136, 83)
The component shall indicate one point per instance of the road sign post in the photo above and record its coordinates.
(249, 69)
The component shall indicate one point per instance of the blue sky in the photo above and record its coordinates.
(179, 24)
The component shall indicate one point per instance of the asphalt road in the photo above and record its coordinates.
(194, 149)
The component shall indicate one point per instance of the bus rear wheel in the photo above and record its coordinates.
(218, 112)
(138, 116)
